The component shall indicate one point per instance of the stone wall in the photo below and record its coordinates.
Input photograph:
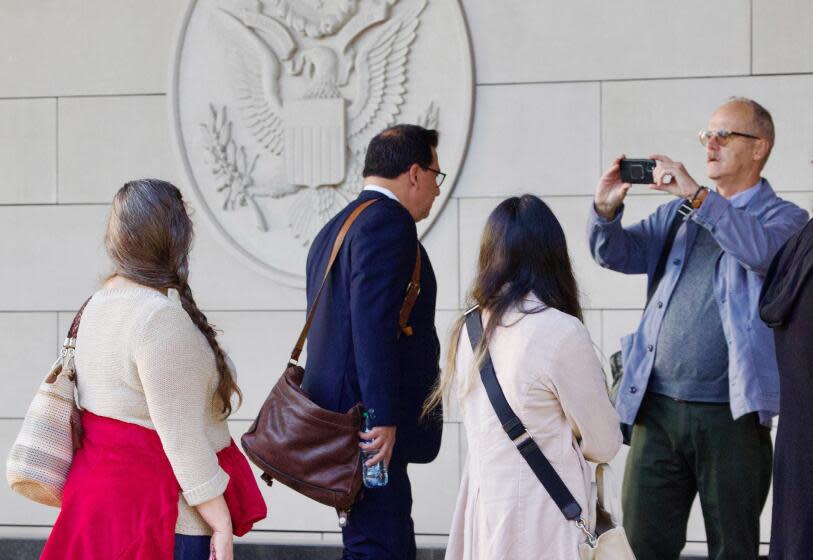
(561, 88)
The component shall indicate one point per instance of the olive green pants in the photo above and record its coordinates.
(679, 449)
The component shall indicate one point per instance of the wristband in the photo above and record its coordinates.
(697, 200)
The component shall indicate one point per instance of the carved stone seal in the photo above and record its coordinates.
(275, 101)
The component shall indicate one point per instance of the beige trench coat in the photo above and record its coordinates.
(551, 377)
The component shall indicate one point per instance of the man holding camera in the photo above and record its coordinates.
(700, 381)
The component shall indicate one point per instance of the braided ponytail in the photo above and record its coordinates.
(226, 386)
(148, 237)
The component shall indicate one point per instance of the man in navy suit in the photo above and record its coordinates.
(356, 350)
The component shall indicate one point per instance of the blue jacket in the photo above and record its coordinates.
(750, 228)
(354, 350)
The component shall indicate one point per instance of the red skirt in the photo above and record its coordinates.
(121, 496)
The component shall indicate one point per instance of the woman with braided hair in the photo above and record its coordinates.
(158, 475)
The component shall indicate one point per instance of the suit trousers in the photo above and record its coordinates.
(380, 524)
(680, 449)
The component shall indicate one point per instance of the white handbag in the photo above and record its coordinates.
(608, 540)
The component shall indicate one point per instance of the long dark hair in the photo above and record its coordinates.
(148, 237)
(523, 250)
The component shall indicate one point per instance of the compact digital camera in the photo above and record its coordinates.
(637, 171)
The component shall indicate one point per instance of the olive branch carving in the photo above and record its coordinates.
(232, 166)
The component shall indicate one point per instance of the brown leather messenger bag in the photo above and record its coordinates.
(310, 449)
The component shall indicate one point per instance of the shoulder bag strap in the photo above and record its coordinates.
(512, 425)
(680, 216)
(70, 341)
(337, 244)
(413, 290)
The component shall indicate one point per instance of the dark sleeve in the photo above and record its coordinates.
(419, 437)
(419, 441)
(382, 254)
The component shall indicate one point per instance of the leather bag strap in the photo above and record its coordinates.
(70, 341)
(413, 289)
(337, 244)
(513, 426)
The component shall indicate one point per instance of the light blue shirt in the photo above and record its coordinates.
(750, 228)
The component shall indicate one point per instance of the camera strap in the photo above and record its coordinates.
(681, 215)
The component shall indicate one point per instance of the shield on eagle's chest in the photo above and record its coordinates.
(315, 142)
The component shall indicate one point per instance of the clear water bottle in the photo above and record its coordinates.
(375, 476)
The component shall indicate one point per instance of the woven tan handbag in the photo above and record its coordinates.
(41, 456)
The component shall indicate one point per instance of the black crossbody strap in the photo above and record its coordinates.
(516, 430)
(680, 216)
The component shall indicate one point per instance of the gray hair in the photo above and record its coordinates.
(761, 120)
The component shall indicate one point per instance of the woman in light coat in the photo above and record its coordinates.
(548, 370)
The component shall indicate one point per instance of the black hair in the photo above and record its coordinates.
(392, 151)
(523, 250)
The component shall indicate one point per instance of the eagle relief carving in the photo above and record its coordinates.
(313, 82)
(275, 101)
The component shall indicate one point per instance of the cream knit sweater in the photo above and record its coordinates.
(141, 359)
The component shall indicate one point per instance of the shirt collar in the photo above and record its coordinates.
(741, 199)
(386, 192)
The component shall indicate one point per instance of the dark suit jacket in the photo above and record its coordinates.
(354, 351)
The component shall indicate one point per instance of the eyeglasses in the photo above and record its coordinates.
(723, 136)
(439, 175)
